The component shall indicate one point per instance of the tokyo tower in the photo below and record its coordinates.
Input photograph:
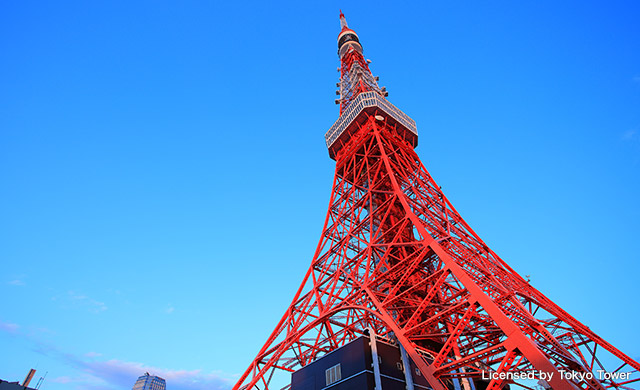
(395, 258)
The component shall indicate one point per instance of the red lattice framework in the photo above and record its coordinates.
(352, 82)
(396, 256)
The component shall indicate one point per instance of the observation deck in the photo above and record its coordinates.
(362, 107)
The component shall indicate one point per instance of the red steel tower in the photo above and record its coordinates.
(395, 257)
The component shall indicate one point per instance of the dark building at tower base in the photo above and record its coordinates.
(352, 367)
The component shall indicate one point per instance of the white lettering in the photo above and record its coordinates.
(603, 375)
(576, 376)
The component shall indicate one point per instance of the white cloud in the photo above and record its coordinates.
(115, 374)
(124, 374)
(80, 300)
(99, 374)
(9, 327)
(94, 373)
(17, 282)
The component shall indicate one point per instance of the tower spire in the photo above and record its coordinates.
(355, 75)
(343, 21)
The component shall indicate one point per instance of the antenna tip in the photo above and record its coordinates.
(343, 21)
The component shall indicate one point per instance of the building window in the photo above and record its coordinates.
(418, 373)
(333, 374)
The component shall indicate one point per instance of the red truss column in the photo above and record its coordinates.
(396, 256)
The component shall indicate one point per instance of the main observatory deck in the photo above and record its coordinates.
(365, 105)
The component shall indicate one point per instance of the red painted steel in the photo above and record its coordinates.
(396, 256)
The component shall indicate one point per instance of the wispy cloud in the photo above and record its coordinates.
(62, 379)
(169, 309)
(80, 300)
(122, 373)
(96, 373)
(82, 381)
(9, 327)
(628, 135)
(16, 282)
(32, 333)
(115, 374)
(636, 79)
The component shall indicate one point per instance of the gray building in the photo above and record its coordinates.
(150, 382)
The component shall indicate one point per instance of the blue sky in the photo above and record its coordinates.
(164, 177)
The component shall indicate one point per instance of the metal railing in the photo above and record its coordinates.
(365, 100)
